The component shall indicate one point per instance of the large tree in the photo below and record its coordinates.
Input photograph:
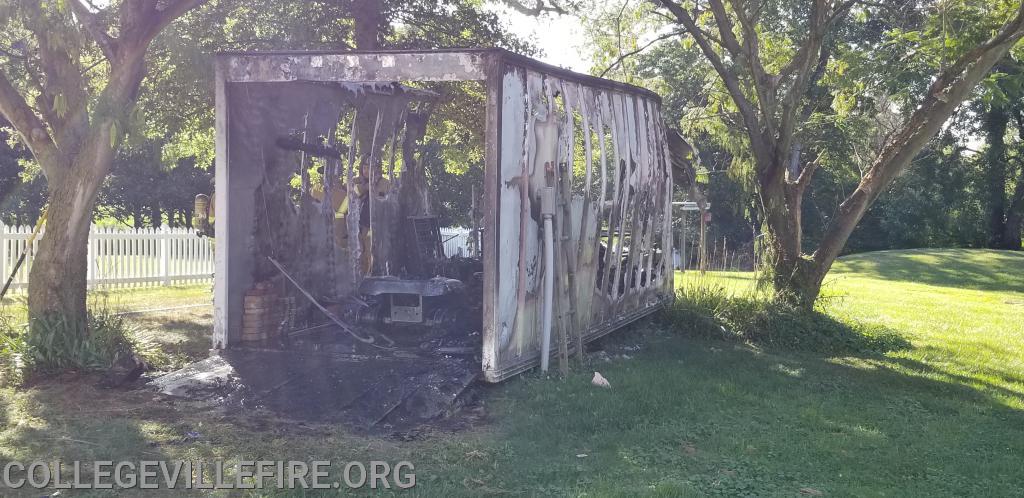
(69, 83)
(1002, 110)
(771, 56)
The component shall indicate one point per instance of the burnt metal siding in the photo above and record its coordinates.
(364, 67)
(610, 137)
(617, 175)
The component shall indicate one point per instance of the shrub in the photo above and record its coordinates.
(706, 310)
(55, 343)
(12, 353)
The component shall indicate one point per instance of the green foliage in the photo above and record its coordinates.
(142, 190)
(935, 203)
(191, 144)
(616, 29)
(55, 343)
(707, 310)
(167, 143)
(450, 190)
(12, 352)
(22, 185)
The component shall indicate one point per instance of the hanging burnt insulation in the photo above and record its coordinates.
(333, 162)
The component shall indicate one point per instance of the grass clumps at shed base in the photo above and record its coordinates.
(709, 306)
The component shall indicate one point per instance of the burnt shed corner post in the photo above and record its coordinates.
(596, 147)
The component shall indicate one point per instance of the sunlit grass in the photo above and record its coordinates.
(14, 306)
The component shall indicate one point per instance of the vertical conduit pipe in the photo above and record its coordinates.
(547, 210)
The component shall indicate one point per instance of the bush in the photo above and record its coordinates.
(55, 343)
(12, 353)
(706, 310)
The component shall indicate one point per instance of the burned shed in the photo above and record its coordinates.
(326, 228)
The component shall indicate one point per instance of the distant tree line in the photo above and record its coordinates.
(140, 191)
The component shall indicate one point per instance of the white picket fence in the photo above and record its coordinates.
(122, 257)
(147, 257)
(456, 241)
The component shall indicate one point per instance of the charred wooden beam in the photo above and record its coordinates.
(313, 149)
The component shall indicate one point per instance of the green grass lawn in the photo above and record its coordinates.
(13, 307)
(178, 318)
(684, 417)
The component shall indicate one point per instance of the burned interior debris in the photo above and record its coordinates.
(345, 246)
(328, 238)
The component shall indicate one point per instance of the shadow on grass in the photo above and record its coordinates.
(709, 417)
(961, 268)
(69, 420)
(755, 321)
(916, 368)
(184, 334)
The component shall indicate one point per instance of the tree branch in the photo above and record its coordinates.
(804, 53)
(43, 103)
(631, 53)
(805, 176)
(707, 34)
(951, 87)
(751, 52)
(32, 130)
(7, 53)
(812, 50)
(90, 20)
(539, 7)
(172, 12)
(731, 81)
(62, 79)
(725, 29)
(141, 21)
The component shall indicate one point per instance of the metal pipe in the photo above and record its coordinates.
(547, 208)
(24, 253)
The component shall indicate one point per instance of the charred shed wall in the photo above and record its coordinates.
(603, 151)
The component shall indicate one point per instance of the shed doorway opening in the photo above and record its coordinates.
(365, 222)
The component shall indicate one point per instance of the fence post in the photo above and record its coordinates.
(3, 251)
(90, 259)
(165, 255)
(30, 255)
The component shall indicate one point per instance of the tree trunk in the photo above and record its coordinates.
(75, 148)
(995, 122)
(1012, 235)
(156, 216)
(57, 279)
(137, 219)
(1015, 212)
(796, 279)
(1015, 217)
(368, 17)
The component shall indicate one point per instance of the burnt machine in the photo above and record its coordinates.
(435, 302)
(437, 292)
